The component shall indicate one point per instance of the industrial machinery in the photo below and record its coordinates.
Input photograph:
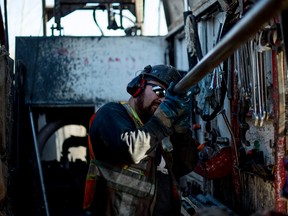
(234, 54)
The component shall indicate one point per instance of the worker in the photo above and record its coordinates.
(140, 148)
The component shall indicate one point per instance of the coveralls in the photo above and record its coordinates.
(127, 173)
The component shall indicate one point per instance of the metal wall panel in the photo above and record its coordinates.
(83, 70)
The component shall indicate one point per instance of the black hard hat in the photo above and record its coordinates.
(164, 74)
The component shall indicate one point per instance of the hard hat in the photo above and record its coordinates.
(164, 74)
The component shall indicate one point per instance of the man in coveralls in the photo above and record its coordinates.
(140, 148)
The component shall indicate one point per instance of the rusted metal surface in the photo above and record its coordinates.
(219, 166)
(83, 70)
(253, 20)
(256, 192)
(279, 124)
(259, 194)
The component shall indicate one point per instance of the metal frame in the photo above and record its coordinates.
(65, 7)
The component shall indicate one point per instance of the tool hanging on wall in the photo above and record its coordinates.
(251, 67)
(241, 70)
(215, 94)
(194, 53)
(218, 85)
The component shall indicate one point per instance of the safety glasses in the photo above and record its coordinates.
(159, 91)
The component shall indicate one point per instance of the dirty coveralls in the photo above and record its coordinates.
(129, 173)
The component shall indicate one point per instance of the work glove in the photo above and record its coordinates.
(174, 107)
(183, 122)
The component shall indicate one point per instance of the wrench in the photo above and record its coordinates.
(254, 71)
(259, 77)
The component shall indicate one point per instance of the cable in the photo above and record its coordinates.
(95, 20)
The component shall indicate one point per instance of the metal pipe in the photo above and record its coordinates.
(6, 26)
(232, 135)
(38, 162)
(44, 18)
(185, 6)
(261, 12)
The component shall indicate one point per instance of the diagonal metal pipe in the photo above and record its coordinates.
(251, 22)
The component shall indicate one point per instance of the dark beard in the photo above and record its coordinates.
(144, 113)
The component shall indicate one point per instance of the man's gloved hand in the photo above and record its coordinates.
(174, 107)
(183, 122)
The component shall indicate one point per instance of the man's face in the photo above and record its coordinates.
(148, 101)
